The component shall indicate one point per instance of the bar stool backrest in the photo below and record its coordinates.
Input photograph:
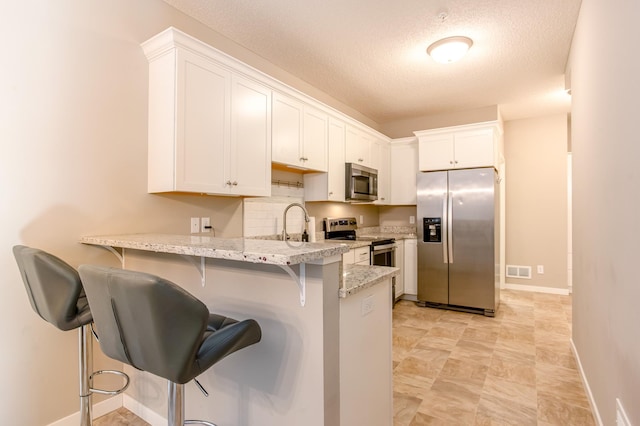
(146, 321)
(54, 288)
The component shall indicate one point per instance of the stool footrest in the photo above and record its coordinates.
(198, 422)
(110, 392)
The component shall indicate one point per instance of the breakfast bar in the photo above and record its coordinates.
(318, 319)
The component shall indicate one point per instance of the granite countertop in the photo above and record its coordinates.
(397, 236)
(359, 277)
(240, 249)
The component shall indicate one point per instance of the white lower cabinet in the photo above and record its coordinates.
(410, 271)
(399, 262)
(357, 256)
(366, 361)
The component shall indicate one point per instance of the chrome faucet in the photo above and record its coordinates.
(285, 236)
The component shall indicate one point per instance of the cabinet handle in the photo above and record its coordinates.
(360, 160)
(235, 183)
(450, 162)
(331, 193)
(301, 158)
(456, 161)
(228, 183)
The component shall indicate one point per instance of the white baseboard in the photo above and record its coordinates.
(537, 289)
(146, 414)
(587, 388)
(99, 409)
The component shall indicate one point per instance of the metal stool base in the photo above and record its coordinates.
(176, 407)
(85, 361)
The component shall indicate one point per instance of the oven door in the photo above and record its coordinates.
(383, 255)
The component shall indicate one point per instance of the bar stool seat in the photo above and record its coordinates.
(156, 326)
(57, 296)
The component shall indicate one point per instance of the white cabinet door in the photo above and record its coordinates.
(202, 124)
(460, 147)
(357, 146)
(362, 255)
(384, 173)
(299, 134)
(202, 136)
(474, 148)
(250, 153)
(348, 258)
(286, 130)
(436, 152)
(404, 168)
(411, 266)
(314, 139)
(329, 186)
(399, 263)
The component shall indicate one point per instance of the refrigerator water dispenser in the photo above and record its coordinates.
(432, 230)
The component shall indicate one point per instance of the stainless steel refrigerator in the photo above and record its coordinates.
(459, 240)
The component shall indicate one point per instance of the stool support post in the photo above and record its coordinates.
(175, 404)
(85, 366)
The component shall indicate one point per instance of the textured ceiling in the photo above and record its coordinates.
(370, 54)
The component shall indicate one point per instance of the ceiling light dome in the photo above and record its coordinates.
(450, 49)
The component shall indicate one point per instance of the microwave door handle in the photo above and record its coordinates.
(445, 259)
(450, 227)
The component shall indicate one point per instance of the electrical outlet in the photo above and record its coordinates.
(205, 224)
(195, 225)
(412, 220)
(541, 269)
(361, 219)
(366, 305)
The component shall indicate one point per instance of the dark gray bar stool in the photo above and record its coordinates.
(56, 294)
(156, 326)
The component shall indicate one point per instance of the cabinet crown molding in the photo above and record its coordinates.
(494, 124)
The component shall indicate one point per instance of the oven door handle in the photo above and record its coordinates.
(383, 247)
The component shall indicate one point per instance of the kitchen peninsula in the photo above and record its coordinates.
(317, 322)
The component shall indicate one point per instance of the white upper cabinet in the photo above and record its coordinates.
(384, 171)
(404, 168)
(299, 134)
(460, 147)
(250, 147)
(329, 186)
(358, 148)
(209, 127)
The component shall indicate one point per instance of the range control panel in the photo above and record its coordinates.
(333, 224)
(432, 229)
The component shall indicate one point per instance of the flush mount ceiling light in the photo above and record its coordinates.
(449, 49)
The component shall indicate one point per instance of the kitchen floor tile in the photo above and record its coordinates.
(455, 368)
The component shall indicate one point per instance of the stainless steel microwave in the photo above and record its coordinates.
(361, 183)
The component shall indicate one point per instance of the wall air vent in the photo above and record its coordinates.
(515, 271)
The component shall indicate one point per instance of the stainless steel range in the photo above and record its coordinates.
(383, 249)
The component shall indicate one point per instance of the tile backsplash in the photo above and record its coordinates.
(264, 216)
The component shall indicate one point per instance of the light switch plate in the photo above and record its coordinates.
(195, 225)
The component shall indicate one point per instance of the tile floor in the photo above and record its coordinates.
(454, 368)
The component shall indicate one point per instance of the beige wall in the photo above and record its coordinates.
(406, 127)
(73, 115)
(536, 198)
(397, 215)
(320, 210)
(605, 88)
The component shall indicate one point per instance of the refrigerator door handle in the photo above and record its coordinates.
(450, 226)
(445, 231)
